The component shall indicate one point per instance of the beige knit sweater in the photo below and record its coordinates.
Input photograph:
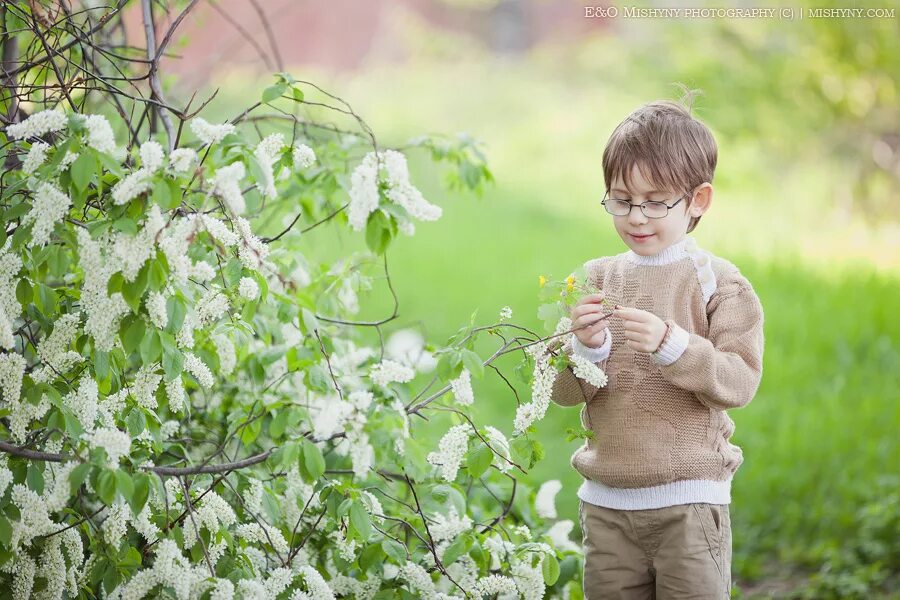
(661, 434)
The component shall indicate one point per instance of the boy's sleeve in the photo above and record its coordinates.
(568, 388)
(725, 370)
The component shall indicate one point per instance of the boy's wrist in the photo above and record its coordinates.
(674, 344)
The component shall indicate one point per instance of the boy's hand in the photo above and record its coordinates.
(644, 331)
(588, 310)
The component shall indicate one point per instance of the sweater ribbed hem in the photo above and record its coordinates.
(686, 491)
(673, 347)
(594, 355)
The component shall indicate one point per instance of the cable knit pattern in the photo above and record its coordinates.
(661, 433)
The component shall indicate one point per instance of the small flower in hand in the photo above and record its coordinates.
(644, 331)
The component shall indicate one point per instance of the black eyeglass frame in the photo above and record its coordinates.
(641, 205)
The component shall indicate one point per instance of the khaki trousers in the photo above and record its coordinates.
(670, 553)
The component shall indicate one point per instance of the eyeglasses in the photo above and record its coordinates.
(651, 209)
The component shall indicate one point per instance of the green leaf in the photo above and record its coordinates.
(313, 460)
(134, 291)
(5, 531)
(273, 92)
(136, 422)
(359, 520)
(176, 310)
(162, 195)
(77, 476)
(173, 361)
(279, 423)
(24, 292)
(151, 347)
(395, 550)
(369, 556)
(124, 483)
(133, 336)
(106, 486)
(125, 225)
(378, 232)
(141, 492)
(35, 478)
(550, 569)
(459, 547)
(157, 276)
(310, 322)
(82, 170)
(478, 460)
(473, 363)
(250, 432)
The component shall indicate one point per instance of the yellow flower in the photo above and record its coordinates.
(570, 283)
(542, 280)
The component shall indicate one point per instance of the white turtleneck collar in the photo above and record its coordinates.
(672, 253)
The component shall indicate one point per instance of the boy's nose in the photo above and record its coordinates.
(636, 216)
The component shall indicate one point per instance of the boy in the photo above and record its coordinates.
(683, 345)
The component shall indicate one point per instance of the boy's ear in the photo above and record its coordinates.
(702, 199)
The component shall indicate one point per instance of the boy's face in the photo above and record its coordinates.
(644, 235)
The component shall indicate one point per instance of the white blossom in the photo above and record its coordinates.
(36, 156)
(588, 371)
(226, 183)
(248, 288)
(12, 369)
(559, 534)
(462, 388)
(116, 443)
(100, 134)
(182, 159)
(544, 500)
(495, 584)
(541, 384)
(211, 512)
(389, 370)
(152, 155)
(156, 309)
(505, 313)
(226, 353)
(266, 154)
(144, 386)
(10, 308)
(252, 251)
(451, 450)
(175, 394)
(54, 349)
(500, 444)
(209, 133)
(304, 156)
(449, 526)
(83, 401)
(49, 208)
(211, 306)
(38, 124)
(103, 311)
(198, 369)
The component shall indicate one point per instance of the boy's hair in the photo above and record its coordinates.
(673, 150)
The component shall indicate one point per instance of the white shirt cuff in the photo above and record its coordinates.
(673, 348)
(592, 354)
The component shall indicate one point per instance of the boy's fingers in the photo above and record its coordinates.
(628, 313)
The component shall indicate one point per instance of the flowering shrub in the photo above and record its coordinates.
(180, 419)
